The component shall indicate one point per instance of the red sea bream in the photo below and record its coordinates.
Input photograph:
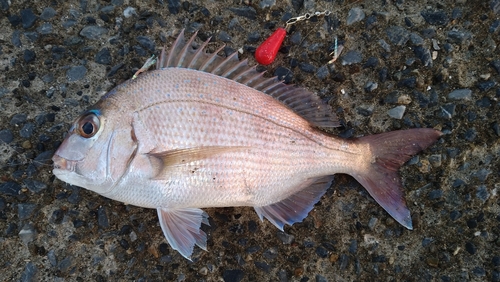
(206, 131)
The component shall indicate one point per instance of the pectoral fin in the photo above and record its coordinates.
(296, 207)
(181, 227)
(164, 161)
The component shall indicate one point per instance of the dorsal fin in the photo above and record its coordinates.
(183, 54)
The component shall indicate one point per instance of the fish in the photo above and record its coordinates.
(205, 131)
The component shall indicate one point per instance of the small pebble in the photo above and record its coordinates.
(27, 233)
(45, 28)
(24, 211)
(29, 56)
(438, 17)
(322, 72)
(28, 18)
(51, 255)
(17, 119)
(371, 86)
(233, 275)
(103, 57)
(245, 11)
(174, 6)
(470, 248)
(48, 13)
(93, 32)
(29, 273)
(352, 57)
(306, 67)
(356, 14)
(397, 35)
(285, 238)
(397, 112)
(102, 217)
(224, 36)
(320, 278)
(6, 136)
(27, 130)
(146, 42)
(129, 12)
(460, 94)
(76, 73)
(482, 193)
(267, 3)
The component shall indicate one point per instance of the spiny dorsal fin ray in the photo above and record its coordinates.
(183, 54)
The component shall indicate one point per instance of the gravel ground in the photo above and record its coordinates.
(405, 64)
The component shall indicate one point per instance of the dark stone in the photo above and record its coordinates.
(76, 73)
(124, 244)
(296, 38)
(103, 57)
(247, 12)
(479, 271)
(320, 278)
(438, 17)
(306, 67)
(102, 217)
(284, 74)
(115, 69)
(27, 130)
(17, 119)
(43, 158)
(93, 32)
(6, 136)
(416, 39)
(352, 57)
(482, 193)
(263, 266)
(371, 22)
(29, 273)
(372, 62)
(410, 82)
(57, 216)
(24, 211)
(470, 248)
(48, 13)
(424, 55)
(16, 38)
(29, 56)
(28, 18)
(459, 37)
(14, 20)
(470, 135)
(472, 223)
(174, 6)
(435, 194)
(10, 188)
(224, 36)
(253, 37)
(495, 261)
(252, 249)
(322, 72)
(454, 215)
(233, 275)
(65, 264)
(486, 85)
(140, 51)
(34, 186)
(397, 35)
(496, 65)
(270, 253)
(146, 42)
(321, 252)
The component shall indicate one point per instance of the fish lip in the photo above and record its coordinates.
(62, 164)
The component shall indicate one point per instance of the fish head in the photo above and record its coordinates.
(96, 151)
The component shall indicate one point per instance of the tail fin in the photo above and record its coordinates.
(389, 151)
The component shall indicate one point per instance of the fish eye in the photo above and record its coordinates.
(88, 125)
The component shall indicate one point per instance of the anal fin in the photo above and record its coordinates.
(181, 227)
(297, 206)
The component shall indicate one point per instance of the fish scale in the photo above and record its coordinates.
(206, 131)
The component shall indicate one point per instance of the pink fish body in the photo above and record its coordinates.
(205, 131)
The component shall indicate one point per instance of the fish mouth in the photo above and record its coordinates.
(62, 164)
